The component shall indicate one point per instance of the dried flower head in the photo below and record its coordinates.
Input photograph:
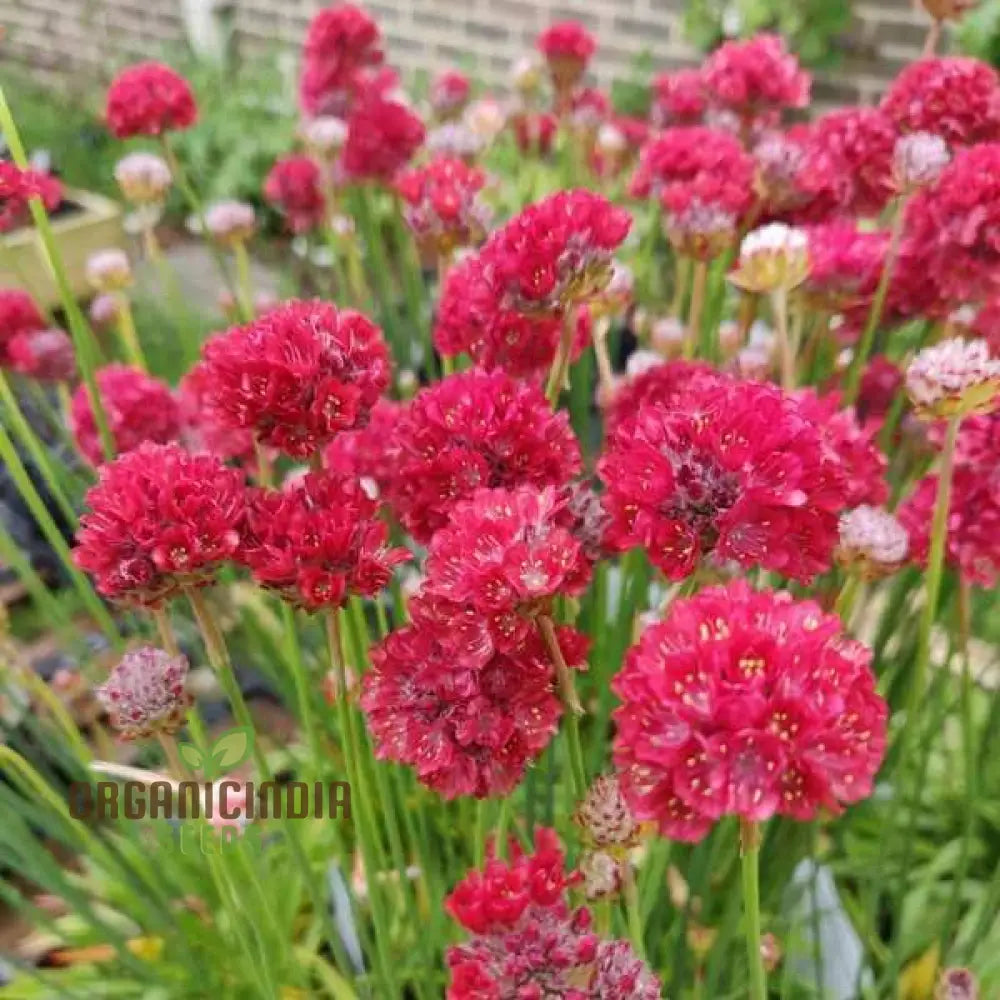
(873, 543)
(45, 355)
(602, 874)
(605, 817)
(773, 258)
(230, 222)
(918, 160)
(957, 984)
(953, 378)
(109, 270)
(144, 178)
(146, 694)
(149, 99)
(324, 137)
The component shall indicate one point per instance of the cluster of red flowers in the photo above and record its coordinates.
(138, 408)
(19, 315)
(735, 471)
(26, 346)
(318, 542)
(382, 135)
(297, 375)
(845, 263)
(476, 430)
(149, 99)
(370, 454)
(678, 98)
(449, 93)
(18, 186)
(567, 47)
(293, 186)
(527, 942)
(745, 703)
(203, 427)
(160, 520)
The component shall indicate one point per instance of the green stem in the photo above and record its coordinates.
(698, 287)
(633, 912)
(560, 364)
(786, 353)
(127, 332)
(750, 870)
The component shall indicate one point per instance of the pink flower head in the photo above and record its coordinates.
(468, 717)
(755, 76)
(678, 98)
(205, 427)
(664, 385)
(371, 454)
(747, 703)
(845, 264)
(881, 382)
(450, 91)
(734, 472)
(160, 520)
(555, 253)
(443, 207)
(340, 43)
(18, 186)
(298, 375)
(149, 99)
(955, 97)
(318, 542)
(535, 132)
(138, 408)
(567, 47)
(382, 136)
(146, 694)
(476, 430)
(293, 187)
(18, 314)
(45, 355)
(527, 942)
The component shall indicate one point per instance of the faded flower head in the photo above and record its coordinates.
(230, 222)
(144, 178)
(449, 95)
(45, 355)
(109, 270)
(953, 378)
(602, 874)
(773, 258)
(873, 543)
(18, 314)
(104, 311)
(918, 160)
(146, 694)
(957, 984)
(747, 703)
(325, 136)
(678, 98)
(149, 99)
(605, 817)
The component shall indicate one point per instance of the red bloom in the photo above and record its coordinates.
(745, 703)
(443, 207)
(955, 97)
(18, 314)
(469, 718)
(370, 454)
(17, 187)
(449, 93)
(535, 133)
(293, 186)
(205, 428)
(382, 136)
(850, 447)
(735, 471)
(555, 253)
(755, 76)
(340, 42)
(139, 408)
(567, 47)
(298, 375)
(880, 384)
(678, 98)
(665, 385)
(528, 943)
(45, 355)
(473, 430)
(845, 264)
(149, 99)
(160, 519)
(318, 542)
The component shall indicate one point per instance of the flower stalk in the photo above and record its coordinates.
(750, 838)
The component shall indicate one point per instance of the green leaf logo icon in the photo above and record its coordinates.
(191, 756)
(230, 749)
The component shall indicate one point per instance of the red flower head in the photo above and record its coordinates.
(735, 471)
(851, 448)
(340, 42)
(555, 253)
(745, 703)
(18, 314)
(857, 145)
(45, 355)
(149, 99)
(318, 542)
(298, 375)
(880, 384)
(382, 136)
(467, 717)
(17, 187)
(754, 77)
(205, 428)
(138, 407)
(956, 223)
(535, 133)
(678, 98)
(955, 97)
(664, 385)
(473, 430)
(443, 207)
(370, 454)
(567, 47)
(527, 942)
(449, 93)
(293, 187)
(160, 519)
(845, 264)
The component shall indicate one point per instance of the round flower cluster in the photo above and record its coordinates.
(918, 160)
(298, 374)
(663, 385)
(318, 542)
(371, 454)
(526, 941)
(535, 133)
(735, 471)
(293, 186)
(845, 263)
(146, 694)
(138, 408)
(956, 98)
(17, 187)
(745, 703)
(18, 315)
(149, 99)
(443, 205)
(382, 136)
(230, 222)
(449, 94)
(772, 258)
(160, 520)
(204, 427)
(678, 98)
(109, 270)
(954, 377)
(555, 253)
(567, 47)
(144, 178)
(44, 355)
(476, 430)
(872, 542)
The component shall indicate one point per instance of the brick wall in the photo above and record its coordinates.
(86, 39)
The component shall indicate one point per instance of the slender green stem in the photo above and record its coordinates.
(303, 684)
(698, 287)
(127, 333)
(633, 912)
(847, 597)
(786, 352)
(750, 870)
(479, 834)
(560, 364)
(378, 268)
(413, 284)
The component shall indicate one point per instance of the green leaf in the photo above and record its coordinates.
(191, 755)
(231, 748)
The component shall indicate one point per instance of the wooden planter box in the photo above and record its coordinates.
(96, 224)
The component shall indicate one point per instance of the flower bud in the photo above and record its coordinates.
(109, 270)
(773, 258)
(147, 693)
(770, 952)
(957, 984)
(144, 178)
(324, 137)
(230, 222)
(873, 543)
(605, 816)
(954, 378)
(701, 231)
(918, 159)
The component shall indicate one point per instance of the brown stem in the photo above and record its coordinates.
(564, 675)
(175, 766)
(786, 352)
(167, 638)
(605, 373)
(932, 39)
(560, 364)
